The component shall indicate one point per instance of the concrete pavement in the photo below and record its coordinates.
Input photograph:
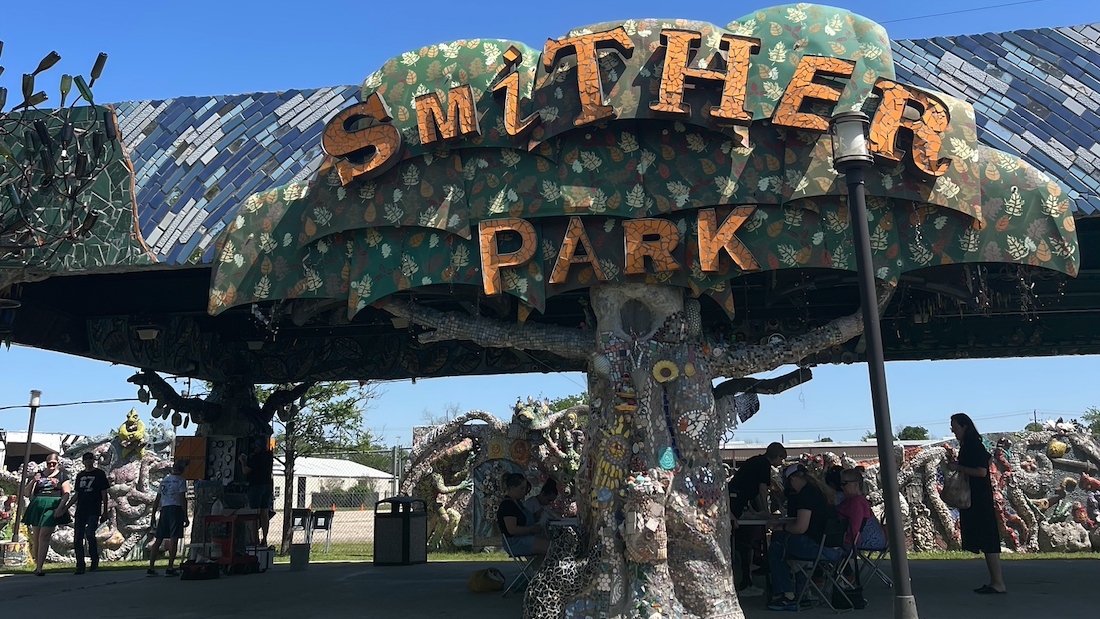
(943, 590)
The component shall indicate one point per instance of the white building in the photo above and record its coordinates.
(327, 478)
(42, 445)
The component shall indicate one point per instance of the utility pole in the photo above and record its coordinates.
(36, 395)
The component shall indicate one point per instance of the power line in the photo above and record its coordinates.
(113, 401)
(981, 8)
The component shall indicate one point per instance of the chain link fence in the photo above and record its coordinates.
(340, 490)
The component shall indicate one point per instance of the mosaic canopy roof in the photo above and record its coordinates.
(1035, 94)
(340, 237)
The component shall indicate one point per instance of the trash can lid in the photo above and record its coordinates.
(402, 504)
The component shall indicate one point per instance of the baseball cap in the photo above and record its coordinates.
(794, 468)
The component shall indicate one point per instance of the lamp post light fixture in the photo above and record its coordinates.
(851, 156)
(36, 397)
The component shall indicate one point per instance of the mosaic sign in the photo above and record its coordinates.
(660, 151)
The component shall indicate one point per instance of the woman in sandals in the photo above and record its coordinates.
(979, 521)
(49, 494)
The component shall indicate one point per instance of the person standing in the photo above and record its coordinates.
(979, 521)
(49, 494)
(172, 501)
(257, 469)
(748, 491)
(90, 496)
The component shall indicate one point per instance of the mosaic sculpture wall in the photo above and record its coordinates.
(135, 457)
(1046, 490)
(458, 468)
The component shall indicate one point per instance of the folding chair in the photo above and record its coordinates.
(832, 539)
(868, 559)
(527, 564)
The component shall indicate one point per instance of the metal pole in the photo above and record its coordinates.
(23, 475)
(905, 605)
(393, 471)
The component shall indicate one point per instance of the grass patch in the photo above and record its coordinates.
(365, 552)
(69, 568)
(956, 555)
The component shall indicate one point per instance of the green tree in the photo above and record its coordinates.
(1091, 418)
(870, 435)
(825, 440)
(569, 401)
(1033, 427)
(912, 433)
(327, 419)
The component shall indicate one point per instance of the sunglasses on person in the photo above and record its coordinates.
(51, 462)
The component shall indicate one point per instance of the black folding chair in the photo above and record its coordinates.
(831, 569)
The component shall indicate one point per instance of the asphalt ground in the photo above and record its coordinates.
(943, 590)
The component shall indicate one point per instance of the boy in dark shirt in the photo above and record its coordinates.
(90, 496)
(749, 488)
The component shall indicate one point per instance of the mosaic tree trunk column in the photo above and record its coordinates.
(231, 410)
(651, 493)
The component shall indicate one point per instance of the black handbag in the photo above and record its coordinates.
(848, 598)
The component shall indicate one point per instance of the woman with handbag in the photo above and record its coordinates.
(978, 522)
(49, 494)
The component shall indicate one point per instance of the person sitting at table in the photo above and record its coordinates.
(854, 507)
(809, 507)
(537, 504)
(517, 524)
(748, 492)
(834, 483)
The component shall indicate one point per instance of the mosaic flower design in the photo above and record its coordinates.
(665, 371)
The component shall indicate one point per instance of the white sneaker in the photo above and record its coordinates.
(750, 592)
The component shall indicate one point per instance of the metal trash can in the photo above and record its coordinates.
(299, 557)
(400, 531)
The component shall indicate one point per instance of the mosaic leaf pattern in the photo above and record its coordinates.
(114, 239)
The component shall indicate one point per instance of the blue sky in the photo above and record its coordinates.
(166, 49)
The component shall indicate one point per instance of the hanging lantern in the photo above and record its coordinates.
(143, 395)
(158, 411)
(186, 420)
(177, 419)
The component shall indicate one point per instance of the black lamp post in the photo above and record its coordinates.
(851, 155)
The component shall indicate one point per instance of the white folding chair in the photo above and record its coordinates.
(868, 560)
(527, 564)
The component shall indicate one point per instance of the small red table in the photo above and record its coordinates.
(238, 526)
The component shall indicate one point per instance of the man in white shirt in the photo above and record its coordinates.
(172, 501)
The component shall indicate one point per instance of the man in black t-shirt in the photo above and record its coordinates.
(749, 488)
(257, 471)
(90, 496)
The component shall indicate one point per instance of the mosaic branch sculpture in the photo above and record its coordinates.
(456, 467)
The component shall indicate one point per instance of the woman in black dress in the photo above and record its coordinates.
(979, 521)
